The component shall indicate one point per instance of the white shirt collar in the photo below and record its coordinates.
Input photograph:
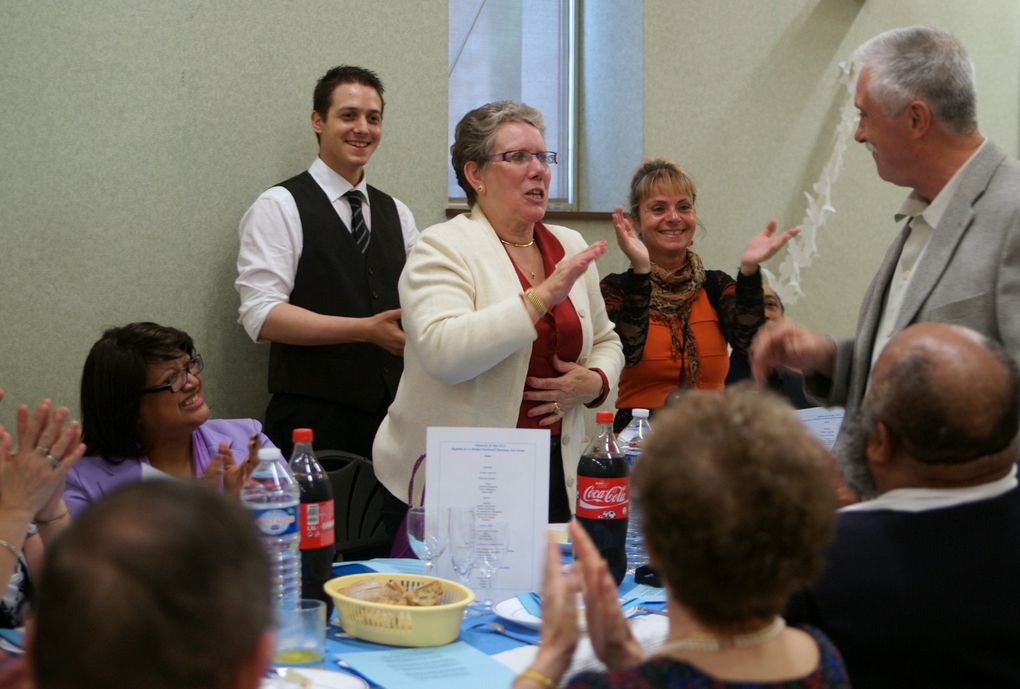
(924, 499)
(933, 212)
(334, 184)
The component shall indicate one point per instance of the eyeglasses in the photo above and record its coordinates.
(194, 366)
(547, 158)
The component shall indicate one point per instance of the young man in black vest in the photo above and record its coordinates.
(317, 274)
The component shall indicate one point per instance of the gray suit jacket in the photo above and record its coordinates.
(969, 275)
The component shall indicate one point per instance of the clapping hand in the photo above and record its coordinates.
(226, 474)
(559, 616)
(32, 480)
(610, 635)
(763, 246)
(557, 285)
(630, 244)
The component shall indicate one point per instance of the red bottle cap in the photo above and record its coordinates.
(301, 435)
(603, 417)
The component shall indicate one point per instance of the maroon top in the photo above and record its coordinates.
(559, 331)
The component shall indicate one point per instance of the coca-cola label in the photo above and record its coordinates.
(317, 525)
(603, 498)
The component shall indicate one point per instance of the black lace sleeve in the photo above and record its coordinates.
(627, 296)
(740, 305)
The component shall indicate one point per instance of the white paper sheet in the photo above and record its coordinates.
(650, 631)
(823, 423)
(504, 474)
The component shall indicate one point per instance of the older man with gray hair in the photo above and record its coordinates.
(957, 258)
(922, 585)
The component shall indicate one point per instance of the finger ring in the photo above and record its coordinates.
(54, 462)
(557, 409)
(42, 450)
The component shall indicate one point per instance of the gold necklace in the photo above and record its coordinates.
(519, 246)
(715, 643)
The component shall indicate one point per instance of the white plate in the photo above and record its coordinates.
(321, 679)
(511, 610)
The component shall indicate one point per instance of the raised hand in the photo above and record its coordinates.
(559, 616)
(556, 286)
(763, 246)
(236, 474)
(610, 635)
(629, 242)
(787, 344)
(32, 481)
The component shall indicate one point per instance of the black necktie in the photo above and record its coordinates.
(358, 229)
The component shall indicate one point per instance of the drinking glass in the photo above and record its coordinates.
(493, 542)
(462, 542)
(428, 543)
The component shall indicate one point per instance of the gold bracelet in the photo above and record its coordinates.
(536, 301)
(536, 676)
(40, 522)
(11, 549)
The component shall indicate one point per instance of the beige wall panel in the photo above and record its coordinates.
(134, 135)
(746, 96)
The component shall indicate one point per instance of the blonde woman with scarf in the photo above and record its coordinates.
(676, 318)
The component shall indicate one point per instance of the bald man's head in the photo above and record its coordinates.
(946, 393)
(949, 401)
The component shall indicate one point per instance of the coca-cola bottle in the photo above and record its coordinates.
(603, 495)
(315, 523)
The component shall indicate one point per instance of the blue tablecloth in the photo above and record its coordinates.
(473, 629)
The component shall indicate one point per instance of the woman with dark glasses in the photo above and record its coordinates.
(144, 416)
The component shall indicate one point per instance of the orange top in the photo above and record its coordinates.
(647, 383)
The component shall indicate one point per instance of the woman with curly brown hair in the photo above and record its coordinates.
(737, 512)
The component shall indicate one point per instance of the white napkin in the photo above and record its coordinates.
(649, 630)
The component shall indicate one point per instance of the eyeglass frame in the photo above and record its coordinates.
(551, 157)
(193, 367)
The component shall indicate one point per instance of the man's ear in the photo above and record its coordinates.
(880, 445)
(920, 118)
(317, 123)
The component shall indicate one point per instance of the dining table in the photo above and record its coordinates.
(507, 644)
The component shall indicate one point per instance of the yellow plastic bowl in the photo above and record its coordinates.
(401, 625)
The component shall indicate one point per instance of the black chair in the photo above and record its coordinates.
(358, 500)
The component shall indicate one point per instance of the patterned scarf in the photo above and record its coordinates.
(673, 293)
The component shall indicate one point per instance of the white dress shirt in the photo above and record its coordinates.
(923, 218)
(272, 239)
(923, 499)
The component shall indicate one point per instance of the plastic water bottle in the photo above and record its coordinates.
(630, 439)
(271, 495)
(315, 517)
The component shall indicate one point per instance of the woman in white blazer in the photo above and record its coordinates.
(505, 322)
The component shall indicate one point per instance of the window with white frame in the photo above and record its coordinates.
(579, 62)
(520, 50)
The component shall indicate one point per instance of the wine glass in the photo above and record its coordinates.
(462, 542)
(493, 542)
(428, 543)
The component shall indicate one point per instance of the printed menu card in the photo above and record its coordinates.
(503, 473)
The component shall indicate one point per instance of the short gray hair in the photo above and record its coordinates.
(476, 131)
(922, 63)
